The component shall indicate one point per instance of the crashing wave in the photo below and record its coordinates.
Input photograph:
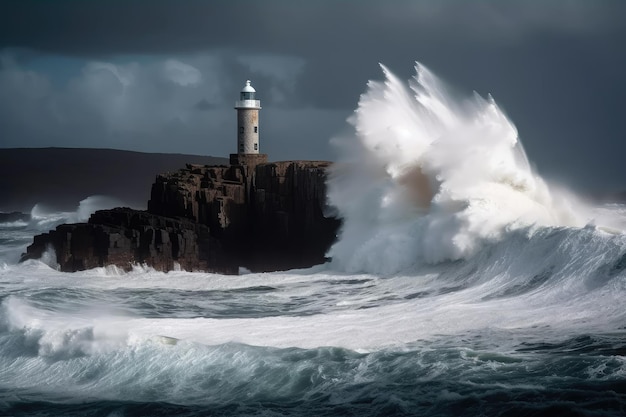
(428, 178)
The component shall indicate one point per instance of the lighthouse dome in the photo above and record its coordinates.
(248, 88)
(247, 98)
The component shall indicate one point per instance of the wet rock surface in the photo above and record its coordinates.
(124, 237)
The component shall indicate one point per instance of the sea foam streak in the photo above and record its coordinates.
(549, 285)
(428, 178)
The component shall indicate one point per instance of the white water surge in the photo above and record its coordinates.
(428, 178)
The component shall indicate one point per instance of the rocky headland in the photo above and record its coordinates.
(217, 218)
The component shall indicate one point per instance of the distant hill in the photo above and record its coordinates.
(60, 177)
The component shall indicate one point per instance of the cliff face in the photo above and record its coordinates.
(268, 216)
(288, 204)
(215, 196)
(262, 216)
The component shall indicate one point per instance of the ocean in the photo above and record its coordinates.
(462, 283)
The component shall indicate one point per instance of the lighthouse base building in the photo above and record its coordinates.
(248, 159)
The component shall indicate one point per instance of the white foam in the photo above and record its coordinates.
(551, 282)
(429, 178)
(59, 335)
(91, 204)
(15, 224)
(45, 219)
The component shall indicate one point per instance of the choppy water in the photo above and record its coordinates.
(431, 306)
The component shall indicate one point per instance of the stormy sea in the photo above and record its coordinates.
(462, 283)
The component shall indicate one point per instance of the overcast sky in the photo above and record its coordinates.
(162, 76)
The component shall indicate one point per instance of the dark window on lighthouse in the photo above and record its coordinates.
(241, 129)
(256, 146)
(256, 129)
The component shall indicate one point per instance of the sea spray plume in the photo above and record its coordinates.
(45, 219)
(427, 178)
(91, 204)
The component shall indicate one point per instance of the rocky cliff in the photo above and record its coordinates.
(262, 216)
(268, 216)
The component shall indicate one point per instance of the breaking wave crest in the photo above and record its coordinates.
(44, 219)
(428, 178)
(17, 235)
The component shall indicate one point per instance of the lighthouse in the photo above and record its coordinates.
(247, 128)
(248, 120)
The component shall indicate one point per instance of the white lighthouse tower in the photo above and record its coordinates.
(247, 128)
(247, 120)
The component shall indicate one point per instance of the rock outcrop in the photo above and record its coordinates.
(262, 216)
(270, 216)
(124, 237)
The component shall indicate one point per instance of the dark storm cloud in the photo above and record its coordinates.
(165, 105)
(556, 67)
(160, 26)
(333, 36)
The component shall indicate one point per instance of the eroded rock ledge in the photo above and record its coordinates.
(264, 217)
(123, 237)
